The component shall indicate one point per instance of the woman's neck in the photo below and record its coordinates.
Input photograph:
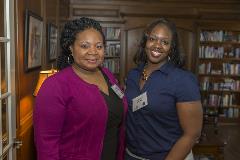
(78, 69)
(150, 67)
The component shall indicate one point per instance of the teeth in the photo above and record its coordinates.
(156, 53)
(92, 60)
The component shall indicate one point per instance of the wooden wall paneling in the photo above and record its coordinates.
(165, 3)
(26, 81)
(186, 46)
(52, 9)
(230, 136)
(64, 10)
(134, 36)
(52, 16)
(25, 134)
(33, 5)
(27, 150)
(123, 56)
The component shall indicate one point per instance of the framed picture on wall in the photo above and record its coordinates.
(33, 40)
(52, 42)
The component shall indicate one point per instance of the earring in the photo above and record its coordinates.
(68, 60)
(169, 58)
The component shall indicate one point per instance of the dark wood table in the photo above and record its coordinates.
(210, 146)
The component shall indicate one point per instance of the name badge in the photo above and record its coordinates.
(118, 91)
(139, 102)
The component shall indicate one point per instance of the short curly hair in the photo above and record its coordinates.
(68, 36)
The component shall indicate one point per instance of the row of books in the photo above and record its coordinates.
(233, 85)
(112, 64)
(216, 100)
(111, 33)
(224, 112)
(231, 113)
(231, 69)
(227, 69)
(219, 36)
(113, 49)
(217, 52)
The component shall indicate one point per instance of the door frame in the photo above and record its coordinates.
(9, 42)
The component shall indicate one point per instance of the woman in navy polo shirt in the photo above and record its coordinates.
(165, 113)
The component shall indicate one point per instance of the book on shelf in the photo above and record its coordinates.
(113, 65)
(219, 36)
(218, 54)
(113, 49)
(112, 33)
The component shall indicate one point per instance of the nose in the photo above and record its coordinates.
(92, 50)
(158, 44)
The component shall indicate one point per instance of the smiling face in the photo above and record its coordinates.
(88, 49)
(158, 45)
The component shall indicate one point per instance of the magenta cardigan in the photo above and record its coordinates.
(70, 119)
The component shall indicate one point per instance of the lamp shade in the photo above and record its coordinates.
(43, 75)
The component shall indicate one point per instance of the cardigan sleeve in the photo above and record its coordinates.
(48, 120)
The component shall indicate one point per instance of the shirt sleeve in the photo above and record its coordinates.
(187, 88)
(48, 119)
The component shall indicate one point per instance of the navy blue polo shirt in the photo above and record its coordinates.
(154, 129)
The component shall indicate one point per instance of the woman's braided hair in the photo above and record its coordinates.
(68, 36)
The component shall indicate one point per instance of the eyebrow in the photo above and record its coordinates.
(89, 42)
(159, 37)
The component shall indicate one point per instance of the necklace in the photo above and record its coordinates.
(144, 75)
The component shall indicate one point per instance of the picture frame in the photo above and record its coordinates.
(52, 42)
(33, 40)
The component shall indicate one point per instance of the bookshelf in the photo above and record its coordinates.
(113, 50)
(218, 69)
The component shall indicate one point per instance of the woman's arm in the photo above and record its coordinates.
(190, 116)
(48, 120)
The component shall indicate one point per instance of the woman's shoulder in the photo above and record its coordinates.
(59, 78)
(134, 71)
(184, 75)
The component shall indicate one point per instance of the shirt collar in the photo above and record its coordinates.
(165, 68)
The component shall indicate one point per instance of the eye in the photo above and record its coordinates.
(84, 45)
(99, 46)
(165, 42)
(151, 39)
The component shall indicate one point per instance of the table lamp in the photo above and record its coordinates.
(43, 75)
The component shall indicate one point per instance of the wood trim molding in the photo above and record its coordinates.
(223, 14)
(25, 123)
(95, 12)
(174, 9)
(156, 12)
(149, 2)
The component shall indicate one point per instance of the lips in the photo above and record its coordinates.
(92, 60)
(156, 52)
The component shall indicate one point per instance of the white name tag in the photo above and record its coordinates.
(139, 102)
(118, 91)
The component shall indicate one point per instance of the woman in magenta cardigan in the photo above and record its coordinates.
(80, 111)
